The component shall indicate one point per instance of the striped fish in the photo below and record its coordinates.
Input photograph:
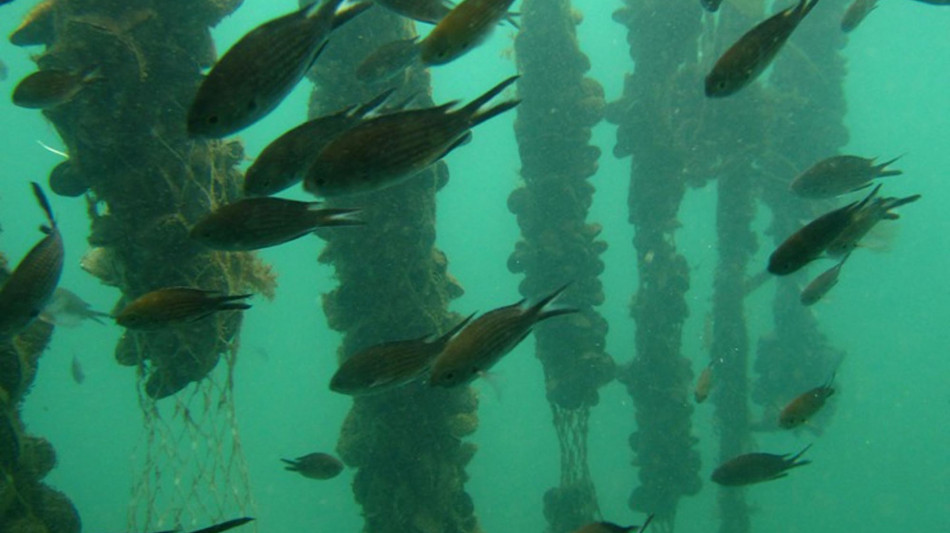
(489, 338)
(173, 305)
(255, 223)
(32, 283)
(387, 61)
(465, 27)
(386, 150)
(389, 365)
(430, 11)
(261, 69)
(840, 175)
(283, 162)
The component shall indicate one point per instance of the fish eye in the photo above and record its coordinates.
(450, 376)
(721, 84)
(213, 119)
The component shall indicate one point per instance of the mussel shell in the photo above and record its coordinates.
(66, 180)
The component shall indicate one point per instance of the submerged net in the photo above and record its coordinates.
(192, 469)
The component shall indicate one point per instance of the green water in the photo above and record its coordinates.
(881, 465)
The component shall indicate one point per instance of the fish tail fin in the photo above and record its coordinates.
(349, 13)
(471, 110)
(510, 19)
(455, 329)
(44, 202)
(646, 522)
(793, 461)
(894, 203)
(480, 117)
(539, 309)
(230, 302)
(879, 171)
(862, 203)
(364, 109)
(342, 216)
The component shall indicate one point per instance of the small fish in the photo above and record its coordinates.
(856, 13)
(284, 161)
(31, 285)
(486, 340)
(315, 466)
(704, 384)
(805, 405)
(172, 305)
(38, 26)
(217, 528)
(609, 527)
(66, 180)
(840, 175)
(75, 369)
(863, 221)
(3, 71)
(255, 223)
(386, 150)
(465, 27)
(819, 287)
(389, 365)
(255, 75)
(808, 243)
(429, 11)
(756, 467)
(52, 87)
(66, 308)
(711, 5)
(388, 60)
(753, 52)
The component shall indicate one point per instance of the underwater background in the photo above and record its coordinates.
(880, 463)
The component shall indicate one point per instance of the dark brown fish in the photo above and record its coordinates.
(753, 52)
(66, 308)
(37, 27)
(711, 5)
(66, 180)
(840, 175)
(386, 150)
(465, 27)
(285, 161)
(856, 13)
(808, 243)
(490, 337)
(223, 526)
(315, 466)
(255, 223)
(805, 405)
(430, 11)
(388, 60)
(260, 70)
(389, 365)
(173, 305)
(53, 87)
(610, 527)
(756, 467)
(819, 287)
(863, 221)
(704, 384)
(30, 286)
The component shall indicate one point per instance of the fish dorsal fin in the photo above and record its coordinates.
(44, 203)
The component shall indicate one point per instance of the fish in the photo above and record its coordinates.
(805, 405)
(66, 308)
(262, 222)
(428, 11)
(756, 468)
(482, 343)
(389, 365)
(863, 221)
(388, 149)
(704, 384)
(856, 13)
(172, 305)
(255, 75)
(819, 287)
(66, 180)
(387, 61)
(809, 242)
(75, 370)
(33, 281)
(37, 27)
(839, 175)
(936, 2)
(217, 528)
(610, 527)
(53, 87)
(315, 466)
(283, 162)
(753, 52)
(711, 5)
(3, 71)
(465, 27)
